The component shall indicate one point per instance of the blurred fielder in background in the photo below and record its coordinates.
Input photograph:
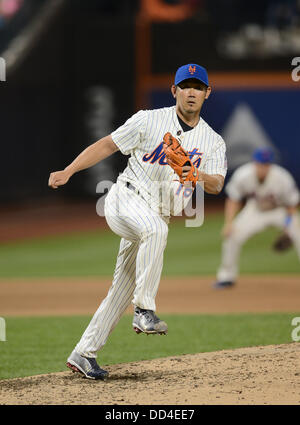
(271, 200)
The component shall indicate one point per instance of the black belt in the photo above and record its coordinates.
(131, 187)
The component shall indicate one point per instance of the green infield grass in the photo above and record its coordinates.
(190, 251)
(41, 344)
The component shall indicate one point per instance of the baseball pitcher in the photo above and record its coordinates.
(169, 148)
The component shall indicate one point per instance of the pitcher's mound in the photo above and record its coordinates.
(254, 375)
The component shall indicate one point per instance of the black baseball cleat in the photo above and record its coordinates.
(223, 284)
(147, 322)
(86, 366)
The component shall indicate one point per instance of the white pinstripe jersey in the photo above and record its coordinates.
(141, 137)
(278, 189)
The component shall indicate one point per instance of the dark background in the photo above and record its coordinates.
(77, 81)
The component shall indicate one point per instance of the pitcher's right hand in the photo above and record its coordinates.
(58, 178)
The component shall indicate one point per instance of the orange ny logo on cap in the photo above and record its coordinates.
(192, 69)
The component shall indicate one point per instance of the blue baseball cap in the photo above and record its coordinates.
(263, 155)
(191, 70)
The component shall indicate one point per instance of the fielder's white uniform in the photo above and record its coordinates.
(265, 206)
(140, 213)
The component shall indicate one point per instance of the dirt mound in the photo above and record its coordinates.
(255, 375)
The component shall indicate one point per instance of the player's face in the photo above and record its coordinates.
(262, 170)
(190, 95)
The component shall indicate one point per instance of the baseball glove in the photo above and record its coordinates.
(282, 243)
(177, 158)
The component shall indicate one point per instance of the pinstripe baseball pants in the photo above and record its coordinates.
(138, 268)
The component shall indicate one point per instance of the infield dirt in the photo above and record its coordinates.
(257, 375)
(194, 295)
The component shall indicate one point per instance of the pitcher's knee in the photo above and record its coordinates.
(158, 230)
(237, 238)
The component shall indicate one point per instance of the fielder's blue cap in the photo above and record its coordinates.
(191, 70)
(263, 155)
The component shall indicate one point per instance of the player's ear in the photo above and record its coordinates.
(208, 92)
(173, 90)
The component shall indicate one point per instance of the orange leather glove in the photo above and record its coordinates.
(177, 158)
